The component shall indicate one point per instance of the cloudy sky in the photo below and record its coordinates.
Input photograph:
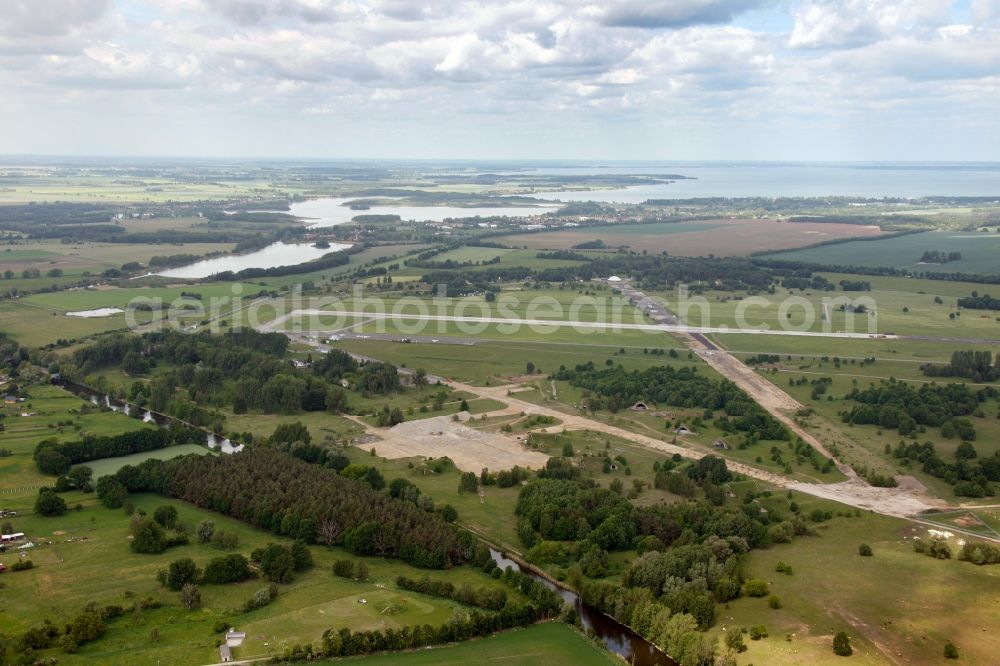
(615, 79)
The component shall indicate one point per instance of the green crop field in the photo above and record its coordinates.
(980, 252)
(473, 254)
(722, 237)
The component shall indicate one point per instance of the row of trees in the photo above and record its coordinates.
(489, 598)
(977, 302)
(54, 457)
(232, 568)
(979, 366)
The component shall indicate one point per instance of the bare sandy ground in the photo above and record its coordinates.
(471, 450)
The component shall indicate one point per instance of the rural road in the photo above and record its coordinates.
(896, 502)
(853, 492)
(542, 324)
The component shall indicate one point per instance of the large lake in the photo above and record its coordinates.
(771, 179)
(276, 254)
(330, 211)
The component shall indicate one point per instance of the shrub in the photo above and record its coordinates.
(261, 598)
(205, 531)
(950, 651)
(758, 632)
(191, 597)
(225, 540)
(343, 568)
(756, 587)
(734, 640)
(864, 550)
(178, 574)
(842, 645)
(22, 565)
(166, 516)
(774, 601)
(147, 537)
(227, 569)
(49, 504)
(276, 562)
(111, 492)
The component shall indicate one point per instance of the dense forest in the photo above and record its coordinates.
(692, 554)
(245, 370)
(901, 406)
(615, 388)
(274, 491)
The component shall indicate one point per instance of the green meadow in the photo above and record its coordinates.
(549, 644)
(84, 556)
(980, 252)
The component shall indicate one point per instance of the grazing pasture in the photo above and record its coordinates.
(84, 556)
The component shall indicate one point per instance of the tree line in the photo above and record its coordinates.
(978, 366)
(54, 457)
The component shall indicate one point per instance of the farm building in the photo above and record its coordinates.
(235, 638)
(683, 430)
(225, 654)
(639, 407)
(16, 536)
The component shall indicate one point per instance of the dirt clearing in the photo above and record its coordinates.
(470, 450)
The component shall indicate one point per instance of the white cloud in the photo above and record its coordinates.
(839, 23)
(985, 10)
(554, 70)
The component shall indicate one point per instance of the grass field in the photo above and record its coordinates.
(106, 466)
(906, 603)
(980, 252)
(550, 644)
(652, 424)
(927, 308)
(75, 258)
(497, 360)
(724, 237)
(52, 406)
(83, 556)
